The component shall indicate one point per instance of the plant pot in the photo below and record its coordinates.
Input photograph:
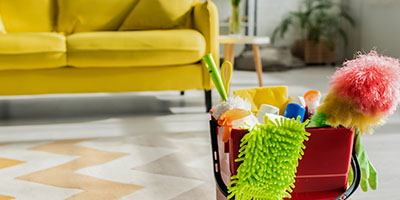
(315, 52)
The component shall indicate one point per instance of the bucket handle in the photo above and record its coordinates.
(224, 189)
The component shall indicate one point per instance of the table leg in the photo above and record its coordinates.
(229, 53)
(232, 54)
(226, 51)
(257, 62)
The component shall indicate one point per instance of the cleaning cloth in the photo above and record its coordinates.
(275, 96)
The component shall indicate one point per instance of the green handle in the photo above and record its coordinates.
(215, 77)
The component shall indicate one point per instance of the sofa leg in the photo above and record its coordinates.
(182, 93)
(208, 100)
(4, 110)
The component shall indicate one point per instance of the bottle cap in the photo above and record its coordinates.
(293, 110)
(266, 109)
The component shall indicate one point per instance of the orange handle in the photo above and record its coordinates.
(227, 134)
(226, 119)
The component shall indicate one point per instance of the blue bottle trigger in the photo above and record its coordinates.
(293, 110)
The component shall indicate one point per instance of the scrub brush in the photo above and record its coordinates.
(270, 154)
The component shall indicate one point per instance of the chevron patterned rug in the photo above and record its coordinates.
(140, 167)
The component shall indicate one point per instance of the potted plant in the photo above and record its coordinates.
(319, 22)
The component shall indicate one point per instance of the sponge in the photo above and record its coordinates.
(275, 96)
(270, 154)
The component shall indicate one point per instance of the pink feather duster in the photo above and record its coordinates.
(370, 81)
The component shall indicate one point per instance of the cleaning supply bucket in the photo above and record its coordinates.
(322, 173)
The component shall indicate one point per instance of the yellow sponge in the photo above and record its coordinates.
(275, 96)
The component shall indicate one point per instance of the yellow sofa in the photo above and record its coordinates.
(85, 46)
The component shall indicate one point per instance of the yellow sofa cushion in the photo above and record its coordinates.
(2, 29)
(92, 15)
(159, 14)
(32, 51)
(28, 15)
(135, 48)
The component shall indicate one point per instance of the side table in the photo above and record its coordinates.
(229, 42)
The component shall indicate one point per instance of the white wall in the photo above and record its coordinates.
(270, 14)
(378, 26)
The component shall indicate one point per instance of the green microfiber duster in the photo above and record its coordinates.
(270, 154)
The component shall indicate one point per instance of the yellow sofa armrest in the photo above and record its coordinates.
(2, 29)
(205, 20)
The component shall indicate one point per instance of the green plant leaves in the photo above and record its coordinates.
(318, 19)
(235, 3)
(348, 18)
(281, 29)
(343, 34)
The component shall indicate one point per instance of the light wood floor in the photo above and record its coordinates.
(163, 134)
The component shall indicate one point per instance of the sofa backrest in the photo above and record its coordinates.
(92, 15)
(71, 16)
(159, 14)
(28, 15)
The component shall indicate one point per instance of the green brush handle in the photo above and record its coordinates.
(215, 77)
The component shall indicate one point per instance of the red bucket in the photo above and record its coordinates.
(322, 172)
